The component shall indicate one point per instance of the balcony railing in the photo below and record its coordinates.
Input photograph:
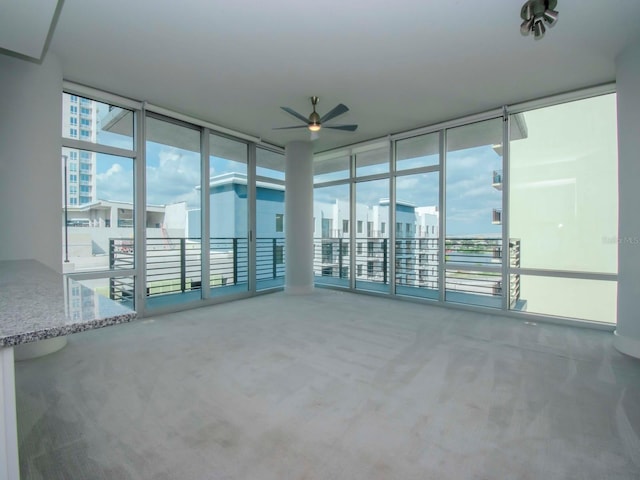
(173, 265)
(417, 263)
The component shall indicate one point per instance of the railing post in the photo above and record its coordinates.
(183, 266)
(112, 289)
(274, 257)
(340, 258)
(384, 260)
(235, 261)
(112, 256)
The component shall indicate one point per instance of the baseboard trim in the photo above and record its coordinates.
(628, 346)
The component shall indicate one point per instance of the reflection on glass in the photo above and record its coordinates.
(594, 300)
(228, 242)
(473, 287)
(173, 263)
(474, 213)
(270, 164)
(98, 195)
(374, 161)
(564, 186)
(416, 152)
(270, 220)
(330, 168)
(119, 289)
(372, 235)
(96, 122)
(332, 228)
(417, 235)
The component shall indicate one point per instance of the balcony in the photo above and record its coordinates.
(497, 180)
(173, 265)
(496, 217)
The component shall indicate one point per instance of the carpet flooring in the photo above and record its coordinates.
(331, 385)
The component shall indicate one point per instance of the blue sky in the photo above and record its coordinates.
(172, 175)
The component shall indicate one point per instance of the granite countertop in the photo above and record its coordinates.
(37, 303)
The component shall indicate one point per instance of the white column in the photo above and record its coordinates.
(30, 160)
(9, 465)
(627, 339)
(299, 218)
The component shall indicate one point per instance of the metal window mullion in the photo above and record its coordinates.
(97, 148)
(392, 220)
(140, 231)
(441, 217)
(506, 250)
(252, 217)
(205, 215)
(100, 96)
(457, 122)
(352, 227)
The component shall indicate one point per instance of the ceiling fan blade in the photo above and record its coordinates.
(288, 128)
(337, 110)
(295, 114)
(348, 128)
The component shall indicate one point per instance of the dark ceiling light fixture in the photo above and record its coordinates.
(535, 14)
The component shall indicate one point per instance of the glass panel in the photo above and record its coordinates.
(270, 164)
(332, 168)
(594, 300)
(417, 235)
(332, 226)
(173, 263)
(372, 245)
(270, 220)
(474, 212)
(473, 288)
(96, 122)
(120, 289)
(97, 223)
(422, 151)
(564, 186)
(372, 161)
(229, 243)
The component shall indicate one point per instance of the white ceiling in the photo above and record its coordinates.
(397, 65)
(25, 25)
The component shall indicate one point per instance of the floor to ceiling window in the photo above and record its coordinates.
(444, 218)
(98, 195)
(563, 210)
(228, 213)
(417, 208)
(270, 219)
(173, 243)
(332, 220)
(473, 214)
(372, 215)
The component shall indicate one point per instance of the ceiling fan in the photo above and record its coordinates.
(315, 122)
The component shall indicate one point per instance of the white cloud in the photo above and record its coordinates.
(174, 179)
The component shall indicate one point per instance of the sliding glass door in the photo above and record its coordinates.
(173, 243)
(228, 213)
(473, 242)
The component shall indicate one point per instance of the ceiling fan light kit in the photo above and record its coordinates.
(315, 122)
(537, 13)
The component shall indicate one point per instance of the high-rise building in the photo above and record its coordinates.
(79, 122)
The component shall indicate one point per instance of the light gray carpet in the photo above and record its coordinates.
(330, 386)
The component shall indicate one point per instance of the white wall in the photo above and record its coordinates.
(30, 164)
(628, 86)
